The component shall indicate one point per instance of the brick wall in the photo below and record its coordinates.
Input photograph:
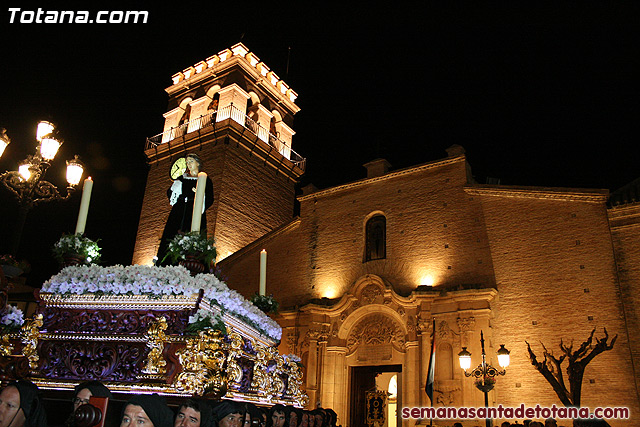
(556, 276)
(625, 233)
(433, 229)
(254, 199)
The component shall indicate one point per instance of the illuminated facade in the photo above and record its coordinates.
(366, 266)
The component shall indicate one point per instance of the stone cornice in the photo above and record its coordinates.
(390, 175)
(624, 216)
(540, 193)
(624, 211)
(238, 54)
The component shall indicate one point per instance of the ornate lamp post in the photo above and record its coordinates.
(28, 184)
(484, 373)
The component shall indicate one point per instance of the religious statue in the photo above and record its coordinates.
(181, 196)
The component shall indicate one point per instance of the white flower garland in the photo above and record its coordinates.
(158, 281)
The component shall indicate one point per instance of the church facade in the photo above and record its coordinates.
(367, 268)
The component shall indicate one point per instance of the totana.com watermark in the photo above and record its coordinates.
(40, 16)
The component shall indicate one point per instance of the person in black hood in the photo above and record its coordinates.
(83, 391)
(228, 414)
(146, 410)
(294, 416)
(194, 413)
(20, 405)
(81, 395)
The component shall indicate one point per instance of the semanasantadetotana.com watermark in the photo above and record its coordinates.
(522, 411)
(40, 16)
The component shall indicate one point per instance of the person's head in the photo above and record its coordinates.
(333, 417)
(11, 415)
(294, 416)
(193, 413)
(194, 164)
(83, 391)
(264, 414)
(228, 414)
(146, 410)
(457, 424)
(20, 405)
(550, 422)
(252, 415)
(318, 417)
(304, 419)
(277, 416)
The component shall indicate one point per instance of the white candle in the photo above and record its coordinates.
(263, 272)
(196, 217)
(84, 205)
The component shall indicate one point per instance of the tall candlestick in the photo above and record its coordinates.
(196, 217)
(84, 205)
(263, 272)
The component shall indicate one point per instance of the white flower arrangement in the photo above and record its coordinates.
(76, 244)
(199, 316)
(12, 319)
(193, 244)
(204, 319)
(156, 282)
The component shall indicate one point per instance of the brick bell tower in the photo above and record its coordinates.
(236, 114)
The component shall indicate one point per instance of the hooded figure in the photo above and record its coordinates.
(202, 407)
(95, 387)
(225, 408)
(83, 391)
(155, 408)
(81, 395)
(30, 404)
(277, 416)
(252, 415)
(206, 413)
(294, 416)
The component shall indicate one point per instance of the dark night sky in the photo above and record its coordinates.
(542, 96)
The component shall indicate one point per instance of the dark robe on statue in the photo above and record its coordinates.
(182, 195)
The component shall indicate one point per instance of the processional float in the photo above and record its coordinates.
(142, 329)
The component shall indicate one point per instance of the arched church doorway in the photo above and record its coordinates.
(364, 379)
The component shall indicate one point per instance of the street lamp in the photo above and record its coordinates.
(28, 184)
(484, 373)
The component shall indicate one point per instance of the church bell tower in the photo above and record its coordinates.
(236, 115)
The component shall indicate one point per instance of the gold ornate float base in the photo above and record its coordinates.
(137, 344)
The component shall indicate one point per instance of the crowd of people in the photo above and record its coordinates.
(21, 406)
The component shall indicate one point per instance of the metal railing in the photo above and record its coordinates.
(210, 120)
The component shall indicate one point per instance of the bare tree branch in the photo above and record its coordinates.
(543, 368)
(551, 367)
(601, 346)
